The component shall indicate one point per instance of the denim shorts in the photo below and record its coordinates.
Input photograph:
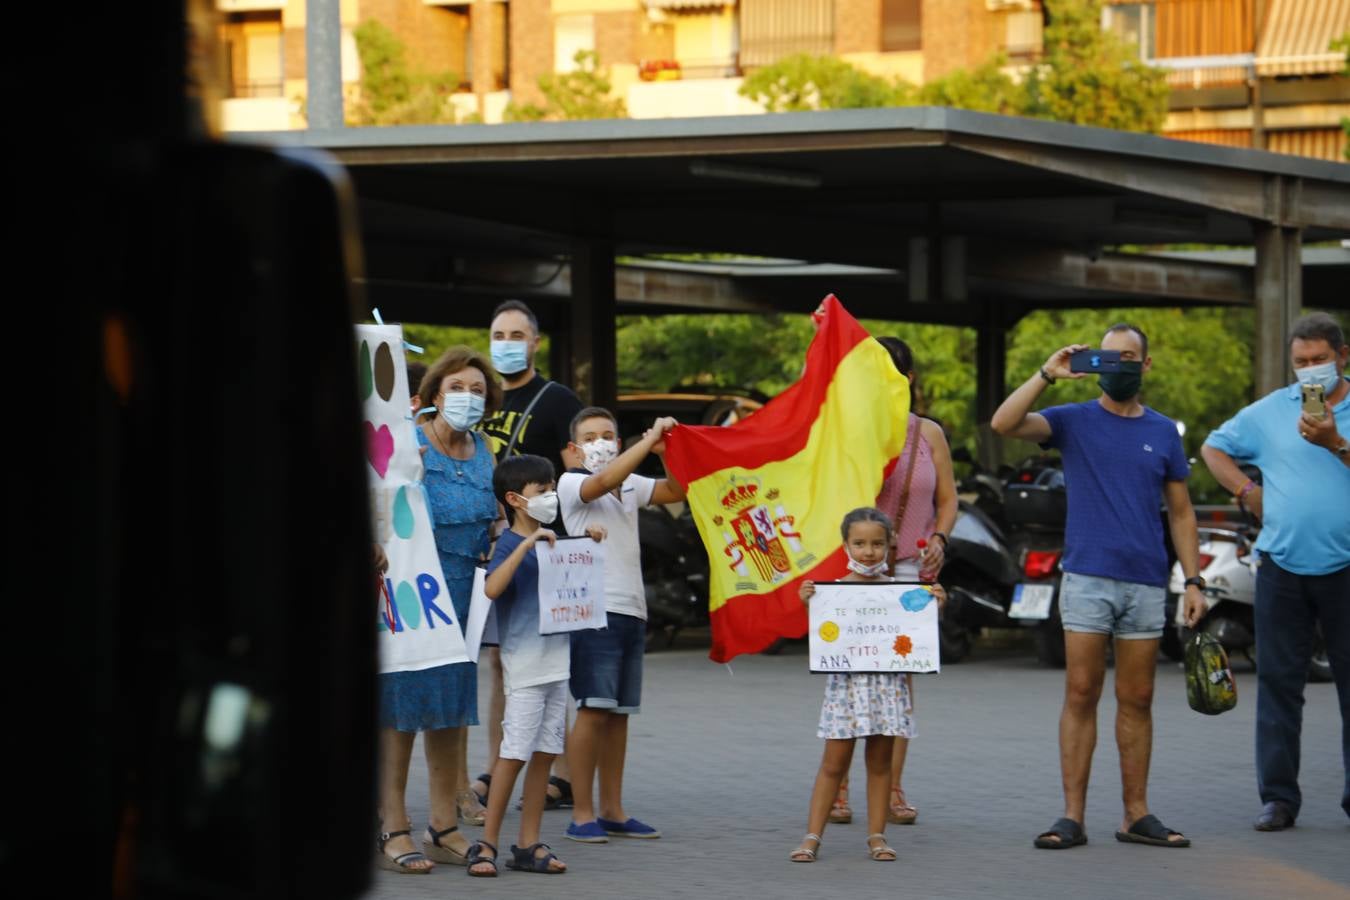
(607, 665)
(1107, 606)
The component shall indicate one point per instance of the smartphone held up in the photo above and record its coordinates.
(1314, 401)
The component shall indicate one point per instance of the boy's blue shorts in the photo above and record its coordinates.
(607, 665)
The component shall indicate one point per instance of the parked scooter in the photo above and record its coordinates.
(1003, 564)
(1228, 564)
(1036, 507)
(674, 570)
(979, 575)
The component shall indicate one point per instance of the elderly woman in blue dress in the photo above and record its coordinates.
(441, 702)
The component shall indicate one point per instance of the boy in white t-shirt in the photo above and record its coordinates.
(534, 666)
(606, 677)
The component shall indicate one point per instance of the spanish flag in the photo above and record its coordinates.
(768, 493)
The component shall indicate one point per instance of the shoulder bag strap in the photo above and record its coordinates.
(911, 444)
(520, 423)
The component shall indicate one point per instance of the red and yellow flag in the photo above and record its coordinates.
(768, 493)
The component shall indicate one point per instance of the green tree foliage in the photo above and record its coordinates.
(985, 88)
(1202, 370)
(391, 91)
(436, 339)
(1202, 365)
(803, 82)
(1088, 76)
(583, 93)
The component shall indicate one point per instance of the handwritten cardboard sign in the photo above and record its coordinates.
(480, 626)
(571, 585)
(880, 627)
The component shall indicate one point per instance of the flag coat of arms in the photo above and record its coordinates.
(768, 493)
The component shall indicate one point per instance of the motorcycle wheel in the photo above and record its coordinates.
(953, 641)
(1173, 640)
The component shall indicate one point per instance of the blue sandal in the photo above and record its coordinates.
(487, 781)
(475, 857)
(525, 860)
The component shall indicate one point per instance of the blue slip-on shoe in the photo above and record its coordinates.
(630, 829)
(588, 833)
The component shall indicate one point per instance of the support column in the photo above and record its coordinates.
(323, 63)
(480, 52)
(560, 355)
(991, 368)
(1278, 300)
(594, 309)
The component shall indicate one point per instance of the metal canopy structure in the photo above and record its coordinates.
(919, 214)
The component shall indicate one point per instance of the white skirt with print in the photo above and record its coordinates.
(866, 703)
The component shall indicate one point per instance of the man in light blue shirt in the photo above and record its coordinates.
(1304, 578)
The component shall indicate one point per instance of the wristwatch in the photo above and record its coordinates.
(1343, 450)
(1197, 580)
(1049, 379)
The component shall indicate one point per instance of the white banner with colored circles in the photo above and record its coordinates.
(415, 620)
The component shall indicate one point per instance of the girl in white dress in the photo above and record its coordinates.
(874, 706)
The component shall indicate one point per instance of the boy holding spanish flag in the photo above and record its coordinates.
(606, 679)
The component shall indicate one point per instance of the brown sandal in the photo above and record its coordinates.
(840, 812)
(471, 812)
(901, 812)
(402, 863)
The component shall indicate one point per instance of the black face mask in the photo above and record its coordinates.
(1121, 386)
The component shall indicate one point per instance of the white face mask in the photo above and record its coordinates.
(543, 508)
(865, 570)
(599, 453)
(510, 357)
(462, 410)
(1325, 375)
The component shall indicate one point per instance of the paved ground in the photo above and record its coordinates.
(722, 761)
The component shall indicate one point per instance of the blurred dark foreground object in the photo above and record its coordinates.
(202, 487)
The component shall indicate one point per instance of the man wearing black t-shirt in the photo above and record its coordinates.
(536, 418)
(536, 413)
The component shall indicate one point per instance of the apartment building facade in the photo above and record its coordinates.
(264, 48)
(1247, 73)
(1251, 73)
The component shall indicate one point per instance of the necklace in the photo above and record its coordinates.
(446, 452)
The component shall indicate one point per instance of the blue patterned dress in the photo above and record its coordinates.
(462, 511)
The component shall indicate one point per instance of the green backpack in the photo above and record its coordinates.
(1210, 688)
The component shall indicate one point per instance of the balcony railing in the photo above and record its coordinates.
(268, 88)
(1197, 72)
(688, 69)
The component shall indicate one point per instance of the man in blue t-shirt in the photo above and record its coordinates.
(1120, 459)
(1304, 578)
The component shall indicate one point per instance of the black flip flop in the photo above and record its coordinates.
(1069, 832)
(1149, 830)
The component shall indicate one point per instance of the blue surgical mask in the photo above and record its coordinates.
(510, 357)
(1325, 375)
(462, 410)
